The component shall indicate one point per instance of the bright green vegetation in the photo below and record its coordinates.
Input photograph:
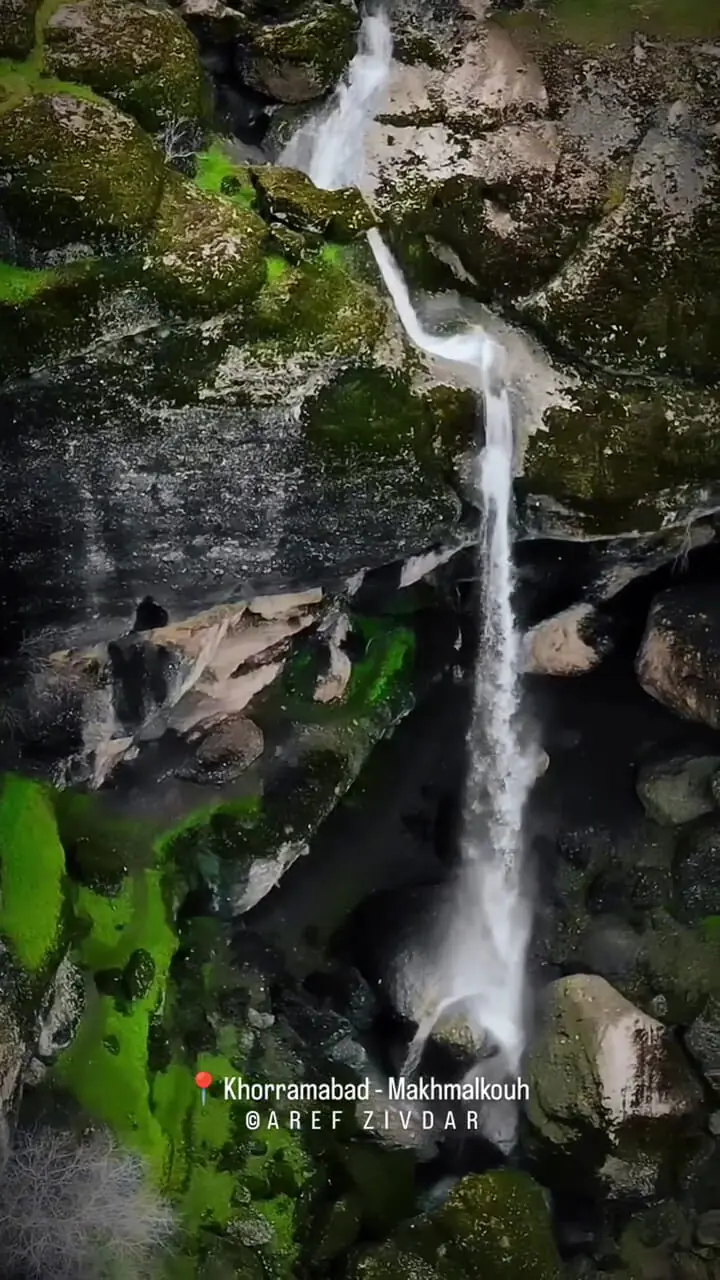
(32, 871)
(219, 175)
(598, 23)
(18, 284)
(384, 673)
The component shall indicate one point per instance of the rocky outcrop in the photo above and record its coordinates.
(608, 1087)
(679, 661)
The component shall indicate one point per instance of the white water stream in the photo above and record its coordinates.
(478, 961)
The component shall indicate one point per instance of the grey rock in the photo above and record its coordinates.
(62, 1018)
(678, 790)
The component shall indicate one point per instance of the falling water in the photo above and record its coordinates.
(479, 961)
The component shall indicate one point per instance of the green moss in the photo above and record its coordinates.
(495, 1225)
(619, 453)
(57, 151)
(107, 1066)
(205, 253)
(376, 412)
(275, 268)
(291, 198)
(219, 175)
(601, 23)
(319, 41)
(319, 307)
(144, 59)
(32, 868)
(19, 285)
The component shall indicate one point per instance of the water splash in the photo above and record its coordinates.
(479, 959)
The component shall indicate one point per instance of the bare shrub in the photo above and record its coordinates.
(78, 1211)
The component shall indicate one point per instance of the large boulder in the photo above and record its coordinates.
(299, 57)
(679, 789)
(696, 871)
(204, 254)
(610, 1092)
(17, 28)
(140, 55)
(56, 154)
(495, 1225)
(679, 659)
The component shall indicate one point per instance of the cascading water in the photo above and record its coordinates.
(479, 962)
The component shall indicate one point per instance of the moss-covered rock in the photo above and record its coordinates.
(75, 169)
(44, 313)
(625, 456)
(205, 254)
(495, 1225)
(140, 55)
(291, 198)
(17, 27)
(32, 874)
(297, 58)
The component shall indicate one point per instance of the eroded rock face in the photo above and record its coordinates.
(608, 1086)
(679, 658)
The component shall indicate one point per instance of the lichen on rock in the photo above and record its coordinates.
(77, 169)
(298, 57)
(140, 55)
(204, 254)
(289, 197)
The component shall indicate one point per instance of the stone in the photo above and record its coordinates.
(297, 59)
(61, 1020)
(702, 1040)
(56, 152)
(230, 748)
(290, 197)
(696, 871)
(495, 1225)
(139, 55)
(678, 662)
(212, 21)
(569, 644)
(17, 28)
(609, 1089)
(14, 1054)
(678, 790)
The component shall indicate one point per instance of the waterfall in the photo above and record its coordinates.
(479, 959)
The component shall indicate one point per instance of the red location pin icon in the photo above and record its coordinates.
(203, 1081)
